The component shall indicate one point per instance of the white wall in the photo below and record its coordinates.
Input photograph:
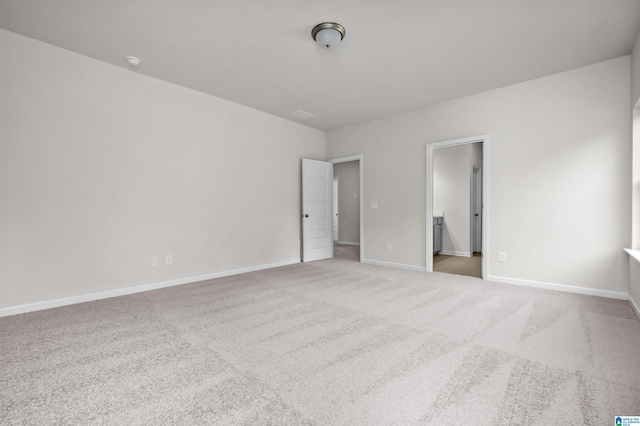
(635, 71)
(452, 193)
(634, 268)
(559, 175)
(476, 156)
(348, 175)
(634, 265)
(102, 168)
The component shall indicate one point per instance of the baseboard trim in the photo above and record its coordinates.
(72, 300)
(456, 253)
(560, 287)
(345, 243)
(634, 306)
(395, 265)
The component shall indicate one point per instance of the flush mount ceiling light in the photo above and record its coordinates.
(304, 115)
(328, 34)
(133, 61)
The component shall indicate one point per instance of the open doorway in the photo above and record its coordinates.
(456, 206)
(347, 174)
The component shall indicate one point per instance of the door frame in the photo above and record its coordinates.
(431, 147)
(360, 159)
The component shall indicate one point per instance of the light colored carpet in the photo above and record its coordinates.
(459, 265)
(325, 343)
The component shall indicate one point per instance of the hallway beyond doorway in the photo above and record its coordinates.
(459, 265)
(346, 252)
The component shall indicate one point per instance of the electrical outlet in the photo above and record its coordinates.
(502, 256)
(387, 247)
(154, 261)
(168, 259)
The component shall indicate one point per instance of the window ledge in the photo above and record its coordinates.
(633, 253)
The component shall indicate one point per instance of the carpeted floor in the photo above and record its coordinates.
(459, 265)
(325, 343)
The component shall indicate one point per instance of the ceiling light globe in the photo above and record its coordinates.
(133, 61)
(328, 34)
(328, 37)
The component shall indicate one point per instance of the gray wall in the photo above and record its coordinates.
(348, 175)
(558, 164)
(103, 168)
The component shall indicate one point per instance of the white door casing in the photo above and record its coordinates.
(485, 197)
(317, 211)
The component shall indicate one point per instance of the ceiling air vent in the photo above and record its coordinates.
(302, 114)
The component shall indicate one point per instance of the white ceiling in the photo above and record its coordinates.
(397, 55)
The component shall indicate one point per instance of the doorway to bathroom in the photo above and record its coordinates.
(456, 206)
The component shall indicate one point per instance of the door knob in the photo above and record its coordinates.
(306, 215)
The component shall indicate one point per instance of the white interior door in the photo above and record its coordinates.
(317, 211)
(477, 210)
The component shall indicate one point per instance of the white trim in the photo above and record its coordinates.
(394, 265)
(455, 253)
(346, 159)
(560, 287)
(71, 300)
(634, 306)
(360, 159)
(485, 197)
(635, 254)
(345, 243)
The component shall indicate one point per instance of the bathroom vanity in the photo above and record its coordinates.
(438, 218)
